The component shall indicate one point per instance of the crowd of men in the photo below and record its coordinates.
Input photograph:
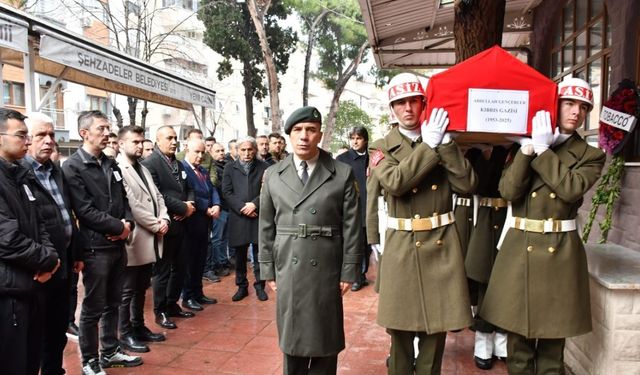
(131, 214)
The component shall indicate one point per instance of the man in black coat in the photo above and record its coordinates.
(241, 191)
(27, 256)
(54, 204)
(100, 204)
(169, 271)
(358, 158)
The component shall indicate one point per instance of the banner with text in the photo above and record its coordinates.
(13, 36)
(618, 119)
(105, 66)
(497, 111)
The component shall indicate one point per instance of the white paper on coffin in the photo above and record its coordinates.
(497, 111)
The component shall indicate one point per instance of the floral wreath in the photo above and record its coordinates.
(612, 139)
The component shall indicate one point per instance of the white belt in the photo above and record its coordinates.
(463, 202)
(420, 224)
(541, 226)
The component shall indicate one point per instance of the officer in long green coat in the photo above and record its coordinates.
(310, 246)
(539, 287)
(423, 288)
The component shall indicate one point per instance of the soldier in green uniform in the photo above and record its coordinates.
(310, 246)
(539, 287)
(422, 286)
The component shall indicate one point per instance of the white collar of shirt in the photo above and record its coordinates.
(311, 164)
(561, 139)
(191, 165)
(412, 134)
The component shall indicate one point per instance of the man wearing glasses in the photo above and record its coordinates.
(27, 256)
(100, 204)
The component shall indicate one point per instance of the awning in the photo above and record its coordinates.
(60, 53)
(419, 33)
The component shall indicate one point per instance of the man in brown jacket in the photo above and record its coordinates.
(423, 288)
(539, 286)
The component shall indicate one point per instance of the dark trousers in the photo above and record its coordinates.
(168, 274)
(431, 350)
(73, 297)
(102, 278)
(131, 312)
(367, 253)
(56, 321)
(294, 365)
(241, 266)
(534, 356)
(196, 254)
(217, 253)
(20, 334)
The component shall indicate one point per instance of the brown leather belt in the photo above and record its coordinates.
(493, 202)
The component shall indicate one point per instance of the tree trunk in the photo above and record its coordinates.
(248, 99)
(257, 17)
(133, 103)
(143, 115)
(116, 112)
(307, 59)
(477, 26)
(330, 121)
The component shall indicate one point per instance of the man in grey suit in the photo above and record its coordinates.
(309, 247)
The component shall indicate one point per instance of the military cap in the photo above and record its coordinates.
(304, 114)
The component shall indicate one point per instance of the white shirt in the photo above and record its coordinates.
(412, 134)
(311, 164)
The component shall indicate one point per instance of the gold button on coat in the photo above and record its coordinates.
(529, 248)
(418, 243)
(534, 194)
(551, 249)
(416, 216)
(439, 242)
(552, 195)
(434, 187)
(496, 226)
(414, 190)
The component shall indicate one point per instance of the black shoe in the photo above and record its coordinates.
(365, 282)
(163, 321)
(483, 364)
(356, 287)
(133, 345)
(204, 300)
(261, 294)
(192, 304)
(73, 330)
(223, 272)
(211, 276)
(177, 312)
(144, 334)
(240, 294)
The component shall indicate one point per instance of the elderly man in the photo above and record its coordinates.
(207, 202)
(27, 256)
(539, 286)
(53, 202)
(170, 178)
(263, 149)
(144, 246)
(207, 161)
(423, 287)
(241, 190)
(100, 205)
(310, 249)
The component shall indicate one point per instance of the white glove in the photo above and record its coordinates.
(376, 251)
(522, 141)
(541, 133)
(434, 130)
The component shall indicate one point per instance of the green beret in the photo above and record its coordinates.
(304, 114)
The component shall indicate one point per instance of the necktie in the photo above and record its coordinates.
(199, 174)
(305, 173)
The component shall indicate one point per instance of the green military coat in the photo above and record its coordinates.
(482, 251)
(308, 270)
(539, 286)
(422, 281)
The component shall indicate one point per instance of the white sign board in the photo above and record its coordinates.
(13, 36)
(618, 119)
(497, 111)
(121, 71)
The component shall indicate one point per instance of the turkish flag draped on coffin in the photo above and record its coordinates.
(491, 94)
